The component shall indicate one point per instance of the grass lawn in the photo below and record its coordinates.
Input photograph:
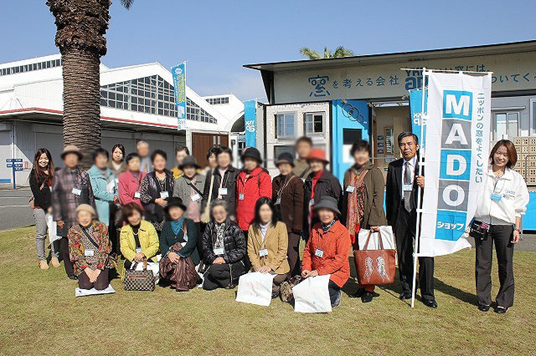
(41, 316)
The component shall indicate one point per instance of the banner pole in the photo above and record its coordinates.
(419, 193)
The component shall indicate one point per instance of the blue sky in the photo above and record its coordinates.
(218, 37)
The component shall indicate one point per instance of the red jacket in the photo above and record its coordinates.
(258, 184)
(335, 243)
(128, 186)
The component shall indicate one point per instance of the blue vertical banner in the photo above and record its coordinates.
(250, 122)
(415, 106)
(179, 85)
(350, 122)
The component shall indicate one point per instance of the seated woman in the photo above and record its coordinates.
(139, 239)
(268, 244)
(224, 249)
(327, 249)
(89, 249)
(178, 240)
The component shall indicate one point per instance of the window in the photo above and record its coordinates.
(284, 125)
(313, 124)
(532, 124)
(31, 67)
(506, 125)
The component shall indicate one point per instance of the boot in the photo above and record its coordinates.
(43, 264)
(55, 262)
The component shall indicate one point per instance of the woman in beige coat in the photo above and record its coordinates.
(268, 244)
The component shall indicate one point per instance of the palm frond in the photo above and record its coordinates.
(127, 3)
(341, 52)
(309, 53)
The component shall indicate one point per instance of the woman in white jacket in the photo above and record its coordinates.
(498, 213)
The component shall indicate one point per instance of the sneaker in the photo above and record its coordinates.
(55, 262)
(338, 300)
(42, 264)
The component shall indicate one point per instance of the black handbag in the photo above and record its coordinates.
(142, 281)
(479, 230)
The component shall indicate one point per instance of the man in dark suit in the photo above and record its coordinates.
(403, 183)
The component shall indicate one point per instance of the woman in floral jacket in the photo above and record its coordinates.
(89, 249)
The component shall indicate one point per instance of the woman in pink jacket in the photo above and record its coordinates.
(130, 181)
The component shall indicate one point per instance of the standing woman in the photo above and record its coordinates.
(224, 249)
(287, 194)
(41, 183)
(253, 183)
(189, 188)
(268, 244)
(320, 183)
(223, 179)
(499, 211)
(156, 189)
(89, 250)
(103, 183)
(117, 163)
(130, 181)
(363, 202)
(212, 158)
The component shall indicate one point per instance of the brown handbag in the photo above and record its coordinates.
(139, 280)
(375, 267)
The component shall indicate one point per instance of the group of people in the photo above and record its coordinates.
(227, 221)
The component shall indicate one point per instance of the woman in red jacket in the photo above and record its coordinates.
(251, 184)
(130, 181)
(327, 249)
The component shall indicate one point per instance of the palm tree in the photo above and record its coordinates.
(81, 25)
(340, 52)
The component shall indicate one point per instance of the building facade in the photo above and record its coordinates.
(137, 103)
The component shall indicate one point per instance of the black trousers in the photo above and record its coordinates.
(293, 254)
(247, 262)
(99, 284)
(405, 237)
(64, 247)
(501, 236)
(219, 276)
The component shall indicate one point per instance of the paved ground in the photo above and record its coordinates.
(15, 212)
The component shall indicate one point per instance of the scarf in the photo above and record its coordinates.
(356, 202)
(264, 229)
(176, 225)
(328, 226)
(220, 232)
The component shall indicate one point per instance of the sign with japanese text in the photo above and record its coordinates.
(456, 158)
(417, 115)
(511, 72)
(179, 85)
(250, 122)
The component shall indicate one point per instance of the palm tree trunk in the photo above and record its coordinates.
(81, 101)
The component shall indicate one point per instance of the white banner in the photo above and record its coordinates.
(456, 158)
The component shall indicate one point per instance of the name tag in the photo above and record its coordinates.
(496, 197)
(195, 197)
(89, 253)
(138, 250)
(278, 201)
(241, 197)
(311, 202)
(222, 191)
(76, 191)
(407, 187)
(116, 180)
(219, 251)
(164, 195)
(137, 195)
(263, 252)
(319, 253)
(350, 189)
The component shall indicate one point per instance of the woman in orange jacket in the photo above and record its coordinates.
(327, 249)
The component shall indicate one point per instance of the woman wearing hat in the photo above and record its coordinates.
(139, 239)
(70, 188)
(287, 195)
(252, 183)
(178, 240)
(327, 249)
(156, 188)
(89, 249)
(189, 188)
(224, 249)
(320, 183)
(363, 202)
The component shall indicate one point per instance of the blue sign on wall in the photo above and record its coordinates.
(350, 122)
(250, 122)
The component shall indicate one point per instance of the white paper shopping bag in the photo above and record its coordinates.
(255, 288)
(312, 295)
